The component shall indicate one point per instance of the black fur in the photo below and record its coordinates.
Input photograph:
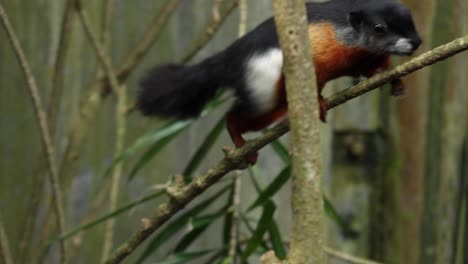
(179, 91)
(182, 91)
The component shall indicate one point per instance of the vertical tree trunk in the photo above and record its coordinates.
(308, 231)
(435, 138)
(412, 118)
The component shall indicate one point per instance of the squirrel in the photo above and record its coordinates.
(347, 37)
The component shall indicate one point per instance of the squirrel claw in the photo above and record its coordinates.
(398, 88)
(323, 109)
(252, 158)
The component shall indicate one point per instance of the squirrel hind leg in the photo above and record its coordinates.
(239, 123)
(236, 128)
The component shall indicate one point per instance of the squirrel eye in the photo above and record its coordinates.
(379, 28)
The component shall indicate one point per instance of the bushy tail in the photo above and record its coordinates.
(177, 91)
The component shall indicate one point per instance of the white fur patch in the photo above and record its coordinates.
(263, 71)
(403, 45)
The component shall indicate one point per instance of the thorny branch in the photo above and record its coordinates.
(182, 195)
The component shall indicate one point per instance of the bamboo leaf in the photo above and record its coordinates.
(181, 258)
(333, 214)
(203, 150)
(279, 182)
(254, 174)
(277, 241)
(272, 189)
(228, 219)
(262, 227)
(158, 134)
(275, 235)
(108, 216)
(281, 150)
(199, 225)
(153, 151)
(252, 230)
(151, 138)
(178, 224)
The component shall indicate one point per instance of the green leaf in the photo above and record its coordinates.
(228, 219)
(178, 224)
(109, 215)
(153, 151)
(158, 134)
(203, 150)
(252, 230)
(281, 150)
(225, 261)
(254, 174)
(180, 258)
(277, 241)
(199, 225)
(151, 138)
(333, 214)
(273, 188)
(262, 227)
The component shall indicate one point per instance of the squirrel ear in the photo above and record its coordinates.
(355, 19)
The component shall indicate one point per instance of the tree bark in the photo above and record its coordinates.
(308, 230)
(412, 119)
(435, 139)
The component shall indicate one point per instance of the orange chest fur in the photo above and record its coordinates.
(332, 58)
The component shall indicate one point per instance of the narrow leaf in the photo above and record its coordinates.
(262, 227)
(277, 241)
(275, 235)
(254, 174)
(151, 153)
(281, 150)
(205, 147)
(178, 224)
(333, 214)
(160, 133)
(106, 217)
(199, 225)
(180, 258)
(273, 188)
(228, 219)
(252, 230)
(151, 138)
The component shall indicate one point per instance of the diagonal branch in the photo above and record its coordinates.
(98, 88)
(211, 28)
(52, 113)
(438, 54)
(347, 257)
(58, 76)
(44, 129)
(149, 38)
(120, 120)
(182, 195)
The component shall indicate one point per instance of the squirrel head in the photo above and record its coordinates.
(384, 27)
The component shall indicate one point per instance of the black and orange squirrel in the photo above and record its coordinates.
(348, 38)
